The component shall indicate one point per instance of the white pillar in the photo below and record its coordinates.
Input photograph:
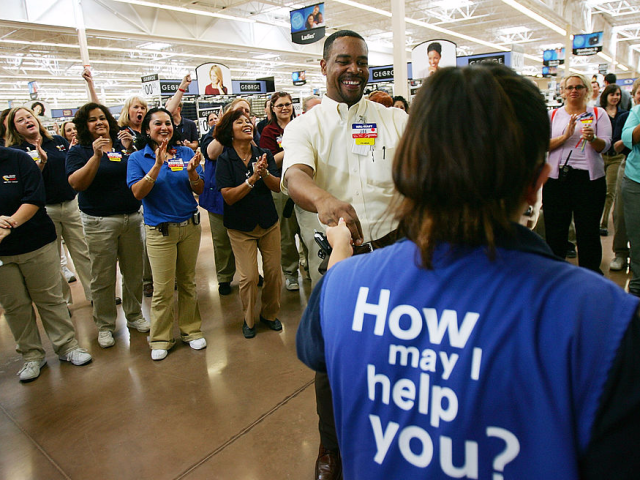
(400, 81)
(568, 50)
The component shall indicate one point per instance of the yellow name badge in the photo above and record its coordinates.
(114, 156)
(35, 155)
(176, 164)
(365, 141)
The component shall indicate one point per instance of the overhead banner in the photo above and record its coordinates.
(249, 86)
(170, 87)
(214, 79)
(33, 90)
(587, 43)
(299, 78)
(549, 71)
(503, 58)
(307, 24)
(428, 57)
(553, 58)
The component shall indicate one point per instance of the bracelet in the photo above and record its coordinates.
(266, 174)
(149, 178)
(593, 139)
(182, 90)
(195, 182)
(249, 184)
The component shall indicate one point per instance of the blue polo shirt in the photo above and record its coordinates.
(171, 198)
(438, 373)
(210, 198)
(54, 172)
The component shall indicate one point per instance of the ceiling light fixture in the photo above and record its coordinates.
(533, 15)
(185, 10)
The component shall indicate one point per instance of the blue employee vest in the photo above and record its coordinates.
(475, 369)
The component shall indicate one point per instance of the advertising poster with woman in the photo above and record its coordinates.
(214, 79)
(432, 55)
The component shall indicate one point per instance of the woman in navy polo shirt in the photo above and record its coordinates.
(26, 133)
(97, 168)
(246, 175)
(165, 176)
(30, 267)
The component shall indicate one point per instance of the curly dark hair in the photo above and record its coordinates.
(81, 118)
(224, 128)
(144, 139)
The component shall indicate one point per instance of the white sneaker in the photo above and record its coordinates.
(142, 325)
(291, 284)
(618, 263)
(77, 356)
(68, 275)
(31, 370)
(198, 343)
(105, 339)
(158, 354)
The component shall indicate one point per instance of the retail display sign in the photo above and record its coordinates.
(503, 58)
(307, 24)
(299, 78)
(214, 79)
(553, 58)
(603, 68)
(549, 71)
(150, 85)
(170, 87)
(587, 43)
(249, 86)
(429, 56)
(203, 114)
(33, 90)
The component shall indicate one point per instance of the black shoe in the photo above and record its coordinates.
(118, 300)
(224, 288)
(604, 232)
(248, 332)
(272, 324)
(571, 250)
(260, 280)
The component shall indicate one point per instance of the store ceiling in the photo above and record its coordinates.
(38, 39)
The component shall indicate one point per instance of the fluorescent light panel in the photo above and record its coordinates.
(533, 15)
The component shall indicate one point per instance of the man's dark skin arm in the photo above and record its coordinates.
(306, 194)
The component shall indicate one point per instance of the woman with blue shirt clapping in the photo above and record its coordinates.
(165, 176)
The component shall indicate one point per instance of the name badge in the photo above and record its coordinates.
(364, 133)
(34, 154)
(176, 164)
(279, 140)
(114, 156)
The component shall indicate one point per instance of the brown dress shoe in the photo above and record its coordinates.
(328, 465)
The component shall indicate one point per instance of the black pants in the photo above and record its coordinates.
(324, 405)
(584, 198)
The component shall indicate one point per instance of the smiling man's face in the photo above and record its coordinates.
(346, 69)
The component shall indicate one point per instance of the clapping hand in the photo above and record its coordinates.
(41, 152)
(99, 144)
(125, 138)
(161, 152)
(194, 162)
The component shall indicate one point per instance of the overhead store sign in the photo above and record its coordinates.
(249, 86)
(385, 73)
(150, 85)
(587, 43)
(503, 58)
(549, 71)
(553, 58)
(170, 87)
(299, 78)
(203, 114)
(307, 24)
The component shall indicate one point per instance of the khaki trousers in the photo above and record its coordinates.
(173, 258)
(611, 166)
(112, 239)
(35, 277)
(288, 229)
(222, 251)
(66, 218)
(245, 248)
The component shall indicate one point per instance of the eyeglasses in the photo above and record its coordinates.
(282, 105)
(570, 88)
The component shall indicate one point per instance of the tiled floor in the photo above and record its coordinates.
(241, 409)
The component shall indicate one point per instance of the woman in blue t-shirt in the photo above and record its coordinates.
(165, 175)
(97, 168)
